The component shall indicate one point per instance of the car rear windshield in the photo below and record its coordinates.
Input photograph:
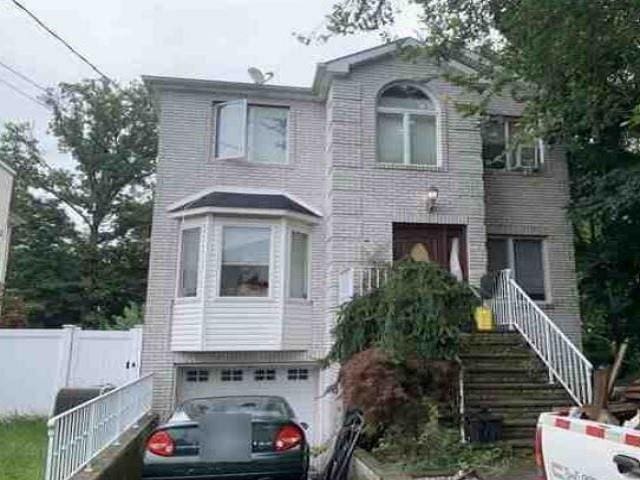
(273, 407)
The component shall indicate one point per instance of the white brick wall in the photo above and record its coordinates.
(333, 168)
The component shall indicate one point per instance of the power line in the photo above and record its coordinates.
(23, 93)
(23, 76)
(60, 39)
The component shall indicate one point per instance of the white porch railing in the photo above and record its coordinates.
(512, 307)
(360, 281)
(78, 435)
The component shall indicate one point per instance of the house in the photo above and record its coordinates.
(274, 203)
(6, 189)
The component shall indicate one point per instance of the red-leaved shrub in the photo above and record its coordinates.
(371, 383)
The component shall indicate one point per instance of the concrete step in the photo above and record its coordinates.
(494, 349)
(505, 376)
(497, 396)
(542, 404)
(492, 338)
(471, 385)
(518, 353)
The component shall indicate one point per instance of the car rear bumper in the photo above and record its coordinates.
(287, 466)
(244, 476)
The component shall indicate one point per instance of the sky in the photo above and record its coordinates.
(214, 39)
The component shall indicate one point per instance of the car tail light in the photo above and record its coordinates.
(542, 474)
(288, 437)
(161, 443)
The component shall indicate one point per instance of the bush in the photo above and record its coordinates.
(418, 312)
(438, 448)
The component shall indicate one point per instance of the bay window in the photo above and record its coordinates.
(407, 127)
(524, 256)
(504, 146)
(189, 262)
(299, 265)
(255, 132)
(246, 253)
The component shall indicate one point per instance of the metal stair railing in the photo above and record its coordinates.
(513, 308)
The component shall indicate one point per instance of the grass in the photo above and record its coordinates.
(23, 444)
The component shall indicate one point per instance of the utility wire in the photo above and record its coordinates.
(23, 77)
(23, 93)
(60, 39)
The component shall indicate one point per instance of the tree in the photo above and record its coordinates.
(577, 64)
(111, 135)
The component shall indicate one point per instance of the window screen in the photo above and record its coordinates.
(268, 134)
(529, 267)
(498, 252)
(230, 129)
(189, 259)
(299, 265)
(245, 262)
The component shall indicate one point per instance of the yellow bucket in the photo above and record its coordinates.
(484, 319)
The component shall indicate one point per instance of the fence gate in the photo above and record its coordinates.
(39, 362)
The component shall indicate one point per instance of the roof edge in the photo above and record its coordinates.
(159, 83)
(184, 201)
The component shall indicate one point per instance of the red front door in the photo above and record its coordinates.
(438, 240)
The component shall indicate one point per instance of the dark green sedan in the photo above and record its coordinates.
(240, 437)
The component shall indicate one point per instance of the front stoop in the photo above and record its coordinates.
(504, 376)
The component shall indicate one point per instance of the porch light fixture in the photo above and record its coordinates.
(432, 199)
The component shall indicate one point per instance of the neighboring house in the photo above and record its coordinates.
(6, 190)
(272, 201)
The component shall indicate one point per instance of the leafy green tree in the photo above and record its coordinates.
(577, 64)
(111, 134)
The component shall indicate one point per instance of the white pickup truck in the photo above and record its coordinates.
(573, 449)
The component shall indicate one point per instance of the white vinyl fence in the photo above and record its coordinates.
(36, 363)
(80, 434)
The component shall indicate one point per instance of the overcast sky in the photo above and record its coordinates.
(212, 39)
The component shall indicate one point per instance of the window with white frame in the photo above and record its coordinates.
(299, 265)
(295, 374)
(506, 147)
(246, 253)
(189, 262)
(407, 127)
(231, 375)
(197, 375)
(255, 132)
(525, 257)
(264, 375)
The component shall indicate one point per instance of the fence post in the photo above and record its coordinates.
(136, 333)
(66, 355)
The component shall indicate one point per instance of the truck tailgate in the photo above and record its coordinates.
(575, 449)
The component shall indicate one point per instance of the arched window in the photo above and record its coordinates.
(407, 131)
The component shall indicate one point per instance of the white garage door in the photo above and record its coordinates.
(297, 384)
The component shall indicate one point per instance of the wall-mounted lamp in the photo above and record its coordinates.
(432, 199)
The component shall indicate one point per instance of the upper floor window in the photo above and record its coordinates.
(246, 253)
(524, 256)
(407, 127)
(255, 132)
(502, 148)
(189, 262)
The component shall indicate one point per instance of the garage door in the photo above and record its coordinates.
(297, 384)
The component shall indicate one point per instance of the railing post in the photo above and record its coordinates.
(118, 418)
(50, 435)
(91, 436)
(547, 335)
